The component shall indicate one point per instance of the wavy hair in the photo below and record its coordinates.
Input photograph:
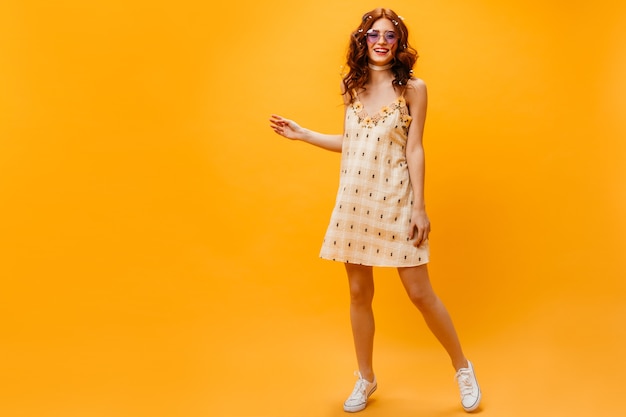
(357, 56)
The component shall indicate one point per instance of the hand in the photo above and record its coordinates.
(287, 128)
(420, 227)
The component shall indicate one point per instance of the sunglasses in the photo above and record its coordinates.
(374, 35)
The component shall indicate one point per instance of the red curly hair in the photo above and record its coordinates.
(357, 56)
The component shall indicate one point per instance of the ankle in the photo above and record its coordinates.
(460, 364)
(368, 376)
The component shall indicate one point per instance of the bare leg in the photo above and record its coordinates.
(361, 281)
(420, 291)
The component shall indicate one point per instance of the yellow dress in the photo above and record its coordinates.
(370, 222)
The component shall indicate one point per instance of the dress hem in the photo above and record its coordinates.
(382, 265)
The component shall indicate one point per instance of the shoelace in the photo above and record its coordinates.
(465, 382)
(360, 389)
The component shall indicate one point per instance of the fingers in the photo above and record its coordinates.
(420, 234)
(420, 237)
(278, 124)
(277, 119)
(285, 127)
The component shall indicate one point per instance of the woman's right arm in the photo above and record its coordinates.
(292, 130)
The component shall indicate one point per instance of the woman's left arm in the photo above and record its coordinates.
(417, 101)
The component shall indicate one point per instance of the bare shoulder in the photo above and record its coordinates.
(415, 89)
(345, 95)
(416, 95)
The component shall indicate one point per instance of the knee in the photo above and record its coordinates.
(361, 295)
(422, 298)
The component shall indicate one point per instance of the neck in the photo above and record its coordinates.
(379, 67)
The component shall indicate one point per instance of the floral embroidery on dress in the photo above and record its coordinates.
(371, 121)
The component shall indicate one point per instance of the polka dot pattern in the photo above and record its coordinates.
(370, 222)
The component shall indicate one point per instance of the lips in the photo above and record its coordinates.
(381, 50)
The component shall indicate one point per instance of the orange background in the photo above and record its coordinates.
(158, 243)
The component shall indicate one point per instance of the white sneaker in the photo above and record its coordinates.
(357, 401)
(468, 387)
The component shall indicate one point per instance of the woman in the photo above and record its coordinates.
(380, 217)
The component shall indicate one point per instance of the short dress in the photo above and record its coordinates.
(371, 219)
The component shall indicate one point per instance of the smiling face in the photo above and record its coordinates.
(382, 42)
